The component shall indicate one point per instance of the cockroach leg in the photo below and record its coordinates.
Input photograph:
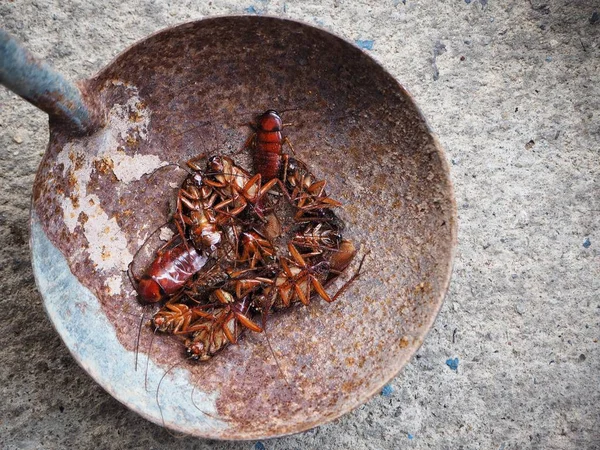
(352, 279)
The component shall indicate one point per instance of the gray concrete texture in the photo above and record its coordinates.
(512, 88)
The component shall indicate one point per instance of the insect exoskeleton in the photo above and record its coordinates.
(173, 266)
(231, 314)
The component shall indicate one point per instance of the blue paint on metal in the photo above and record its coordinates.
(410, 436)
(40, 84)
(452, 363)
(366, 44)
(587, 243)
(251, 10)
(259, 446)
(85, 329)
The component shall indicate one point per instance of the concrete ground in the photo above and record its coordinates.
(512, 89)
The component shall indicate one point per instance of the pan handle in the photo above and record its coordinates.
(48, 90)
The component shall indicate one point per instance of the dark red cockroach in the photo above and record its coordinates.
(173, 266)
(267, 144)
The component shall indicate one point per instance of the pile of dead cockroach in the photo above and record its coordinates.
(244, 245)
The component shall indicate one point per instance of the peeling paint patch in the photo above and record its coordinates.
(129, 122)
(80, 212)
(108, 245)
(131, 168)
(114, 285)
(387, 390)
(166, 234)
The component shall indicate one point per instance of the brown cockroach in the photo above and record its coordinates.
(210, 318)
(209, 202)
(297, 279)
(256, 248)
(237, 187)
(305, 191)
(341, 259)
(231, 316)
(215, 274)
(318, 237)
(176, 318)
(195, 211)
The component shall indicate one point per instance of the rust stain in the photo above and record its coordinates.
(74, 200)
(104, 165)
(72, 180)
(404, 342)
(424, 287)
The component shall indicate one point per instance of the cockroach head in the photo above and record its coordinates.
(215, 163)
(270, 121)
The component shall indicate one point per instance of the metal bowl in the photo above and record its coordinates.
(192, 89)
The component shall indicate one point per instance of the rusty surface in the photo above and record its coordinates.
(192, 89)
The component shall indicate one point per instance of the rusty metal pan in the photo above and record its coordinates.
(192, 89)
